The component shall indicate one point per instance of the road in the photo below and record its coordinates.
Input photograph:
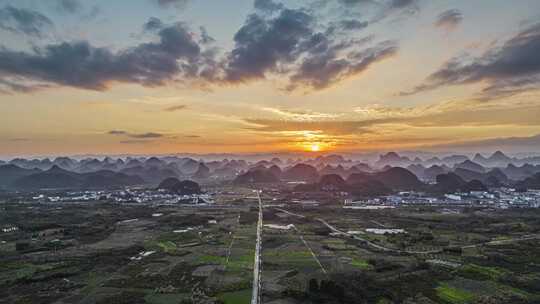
(502, 242)
(290, 213)
(310, 250)
(379, 247)
(367, 242)
(257, 269)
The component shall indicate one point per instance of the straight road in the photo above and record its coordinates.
(257, 269)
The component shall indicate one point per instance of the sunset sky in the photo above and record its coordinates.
(213, 76)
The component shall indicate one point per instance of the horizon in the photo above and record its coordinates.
(256, 156)
(181, 76)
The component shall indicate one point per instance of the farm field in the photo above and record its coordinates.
(105, 253)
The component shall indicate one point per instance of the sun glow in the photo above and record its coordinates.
(315, 148)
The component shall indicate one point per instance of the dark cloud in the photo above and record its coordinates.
(355, 2)
(69, 6)
(268, 5)
(205, 38)
(134, 142)
(117, 132)
(289, 44)
(175, 108)
(23, 21)
(14, 86)
(153, 25)
(175, 56)
(382, 9)
(449, 20)
(321, 71)
(508, 69)
(171, 3)
(261, 44)
(19, 139)
(352, 25)
(77, 7)
(402, 3)
(147, 135)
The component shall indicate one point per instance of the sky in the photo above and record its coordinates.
(244, 76)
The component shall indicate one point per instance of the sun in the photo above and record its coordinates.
(315, 148)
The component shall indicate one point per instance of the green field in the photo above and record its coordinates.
(236, 297)
(452, 295)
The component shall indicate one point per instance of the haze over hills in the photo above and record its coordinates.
(389, 171)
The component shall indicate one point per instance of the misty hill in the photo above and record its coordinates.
(256, 176)
(418, 170)
(492, 178)
(301, 172)
(497, 159)
(392, 159)
(430, 174)
(10, 173)
(396, 178)
(520, 173)
(360, 185)
(189, 166)
(202, 172)
(176, 186)
(150, 174)
(328, 183)
(153, 170)
(451, 182)
(471, 166)
(276, 171)
(58, 178)
(532, 182)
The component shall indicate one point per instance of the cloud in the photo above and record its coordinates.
(499, 143)
(334, 127)
(69, 6)
(23, 21)
(171, 3)
(176, 56)
(14, 86)
(375, 118)
(148, 135)
(293, 45)
(301, 115)
(19, 139)
(352, 25)
(175, 108)
(322, 70)
(382, 8)
(289, 45)
(268, 5)
(133, 142)
(117, 132)
(205, 38)
(509, 69)
(153, 25)
(261, 45)
(449, 20)
(76, 7)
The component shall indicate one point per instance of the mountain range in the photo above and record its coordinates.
(390, 171)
